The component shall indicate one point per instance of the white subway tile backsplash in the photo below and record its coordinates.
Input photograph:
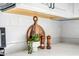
(17, 26)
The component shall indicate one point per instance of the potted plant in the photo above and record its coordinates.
(36, 41)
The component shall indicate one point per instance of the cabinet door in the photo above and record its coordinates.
(62, 6)
(65, 6)
(63, 9)
(76, 9)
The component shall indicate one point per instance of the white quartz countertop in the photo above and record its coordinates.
(61, 49)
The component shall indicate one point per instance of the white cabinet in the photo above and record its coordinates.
(76, 10)
(61, 6)
(61, 9)
(64, 6)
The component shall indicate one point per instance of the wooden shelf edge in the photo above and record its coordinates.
(27, 12)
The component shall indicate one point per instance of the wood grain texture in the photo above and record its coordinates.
(33, 13)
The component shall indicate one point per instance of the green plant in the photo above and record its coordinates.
(30, 47)
(35, 38)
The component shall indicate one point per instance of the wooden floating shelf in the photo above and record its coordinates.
(33, 13)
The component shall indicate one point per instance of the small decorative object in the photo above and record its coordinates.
(42, 42)
(48, 42)
(34, 32)
(35, 39)
(35, 46)
(35, 29)
(30, 48)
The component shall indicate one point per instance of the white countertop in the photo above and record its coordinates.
(58, 49)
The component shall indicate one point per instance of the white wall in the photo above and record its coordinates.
(16, 28)
(70, 31)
